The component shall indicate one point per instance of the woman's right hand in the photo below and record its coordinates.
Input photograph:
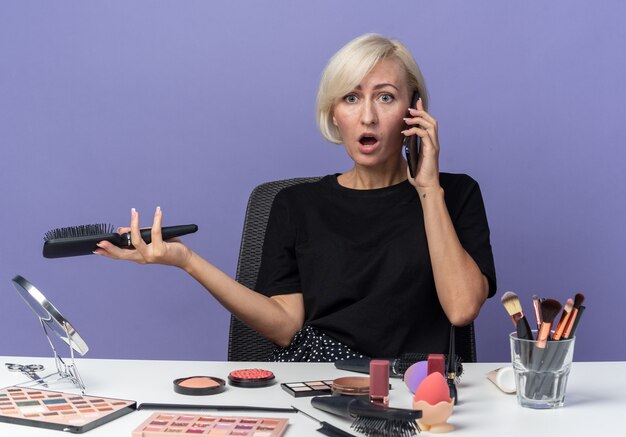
(171, 252)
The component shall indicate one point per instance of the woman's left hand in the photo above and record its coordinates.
(424, 126)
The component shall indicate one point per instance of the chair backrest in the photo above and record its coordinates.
(245, 344)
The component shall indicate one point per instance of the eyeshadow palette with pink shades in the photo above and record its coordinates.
(164, 425)
(60, 411)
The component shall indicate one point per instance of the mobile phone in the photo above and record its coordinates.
(412, 143)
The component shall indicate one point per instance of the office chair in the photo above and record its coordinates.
(245, 344)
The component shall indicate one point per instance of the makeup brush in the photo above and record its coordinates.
(536, 303)
(83, 240)
(579, 298)
(540, 359)
(560, 327)
(371, 420)
(514, 308)
(450, 367)
(578, 315)
(549, 310)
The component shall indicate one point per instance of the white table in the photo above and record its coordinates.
(595, 401)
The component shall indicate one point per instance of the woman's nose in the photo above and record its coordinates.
(368, 113)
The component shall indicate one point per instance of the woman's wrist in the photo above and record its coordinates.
(189, 262)
(430, 193)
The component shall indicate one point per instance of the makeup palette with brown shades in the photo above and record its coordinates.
(164, 425)
(60, 411)
(308, 388)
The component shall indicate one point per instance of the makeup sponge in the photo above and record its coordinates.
(415, 374)
(433, 389)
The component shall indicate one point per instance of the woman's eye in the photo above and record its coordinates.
(351, 98)
(386, 98)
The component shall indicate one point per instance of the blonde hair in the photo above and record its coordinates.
(347, 68)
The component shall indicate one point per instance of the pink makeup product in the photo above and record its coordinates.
(437, 363)
(308, 388)
(165, 425)
(59, 411)
(251, 378)
(199, 385)
(379, 382)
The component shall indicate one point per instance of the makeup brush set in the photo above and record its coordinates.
(542, 352)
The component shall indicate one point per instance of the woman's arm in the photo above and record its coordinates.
(461, 286)
(276, 318)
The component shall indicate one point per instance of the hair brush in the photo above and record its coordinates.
(371, 420)
(398, 365)
(83, 240)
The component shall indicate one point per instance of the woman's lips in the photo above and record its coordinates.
(368, 144)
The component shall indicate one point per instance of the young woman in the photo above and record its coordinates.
(370, 261)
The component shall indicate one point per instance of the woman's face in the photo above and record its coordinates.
(370, 117)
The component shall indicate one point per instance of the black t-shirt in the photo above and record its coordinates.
(360, 258)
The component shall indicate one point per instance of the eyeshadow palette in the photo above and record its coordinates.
(308, 388)
(61, 411)
(163, 425)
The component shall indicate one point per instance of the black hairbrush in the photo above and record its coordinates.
(371, 420)
(82, 240)
(398, 365)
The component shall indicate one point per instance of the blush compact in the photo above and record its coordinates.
(250, 378)
(199, 385)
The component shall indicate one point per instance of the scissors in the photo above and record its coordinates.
(28, 370)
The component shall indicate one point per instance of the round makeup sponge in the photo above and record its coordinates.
(415, 374)
(433, 389)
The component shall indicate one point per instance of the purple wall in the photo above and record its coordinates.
(188, 105)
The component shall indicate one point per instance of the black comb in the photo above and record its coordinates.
(82, 240)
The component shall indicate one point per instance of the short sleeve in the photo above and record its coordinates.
(278, 273)
(470, 222)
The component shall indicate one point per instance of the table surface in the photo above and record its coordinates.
(596, 395)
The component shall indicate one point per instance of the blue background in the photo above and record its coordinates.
(188, 105)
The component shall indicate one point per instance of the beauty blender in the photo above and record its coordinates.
(433, 389)
(415, 374)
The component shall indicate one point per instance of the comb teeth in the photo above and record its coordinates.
(373, 427)
(79, 231)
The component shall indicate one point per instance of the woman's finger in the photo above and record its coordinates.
(422, 133)
(423, 114)
(157, 237)
(110, 250)
(421, 122)
(135, 232)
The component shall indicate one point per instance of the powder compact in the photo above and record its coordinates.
(199, 385)
(351, 386)
(250, 378)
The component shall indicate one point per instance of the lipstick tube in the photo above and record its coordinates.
(379, 382)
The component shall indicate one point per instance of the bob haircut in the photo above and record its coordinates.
(347, 68)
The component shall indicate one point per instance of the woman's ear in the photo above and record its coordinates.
(334, 120)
